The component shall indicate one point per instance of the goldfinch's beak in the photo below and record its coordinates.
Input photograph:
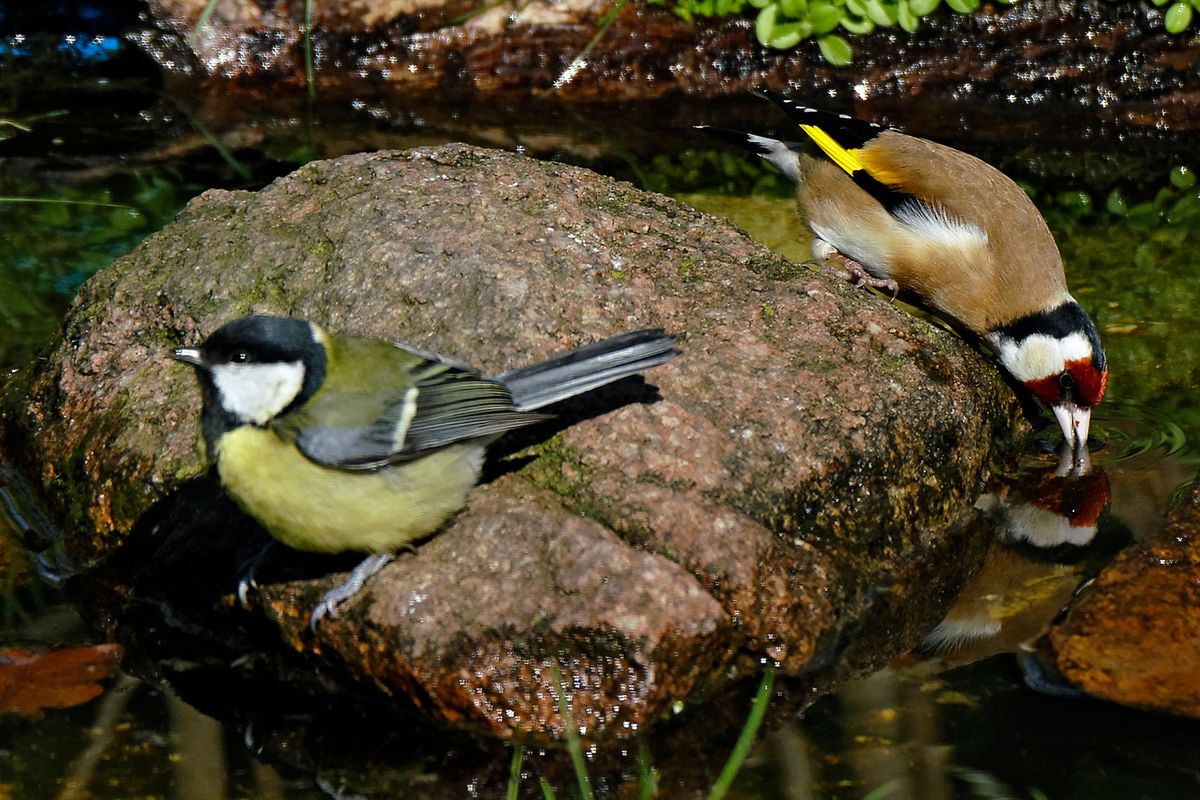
(1074, 421)
(188, 355)
(1073, 462)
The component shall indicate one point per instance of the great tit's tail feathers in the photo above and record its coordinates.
(784, 155)
(586, 368)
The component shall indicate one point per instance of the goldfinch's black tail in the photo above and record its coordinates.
(784, 155)
(587, 368)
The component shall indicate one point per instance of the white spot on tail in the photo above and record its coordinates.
(255, 393)
(778, 153)
(406, 416)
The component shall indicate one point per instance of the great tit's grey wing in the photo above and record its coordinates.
(443, 405)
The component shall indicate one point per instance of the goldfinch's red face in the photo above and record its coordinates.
(1079, 381)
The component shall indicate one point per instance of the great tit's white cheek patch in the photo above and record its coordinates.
(254, 393)
(1040, 356)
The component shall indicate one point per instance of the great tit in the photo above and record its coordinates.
(904, 213)
(343, 443)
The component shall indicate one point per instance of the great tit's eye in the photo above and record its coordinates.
(1066, 380)
(239, 357)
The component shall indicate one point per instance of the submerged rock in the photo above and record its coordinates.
(795, 489)
(1132, 635)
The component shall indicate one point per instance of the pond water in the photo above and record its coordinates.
(95, 156)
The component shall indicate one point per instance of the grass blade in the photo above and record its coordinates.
(514, 772)
(574, 744)
(741, 749)
(647, 774)
(308, 55)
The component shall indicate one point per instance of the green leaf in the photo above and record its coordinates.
(789, 35)
(1178, 17)
(823, 16)
(1183, 177)
(923, 8)
(835, 49)
(856, 8)
(1160, 2)
(1115, 204)
(907, 19)
(884, 17)
(764, 25)
(1187, 209)
(1196, 4)
(963, 6)
(796, 9)
(856, 25)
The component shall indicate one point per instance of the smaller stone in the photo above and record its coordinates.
(1133, 636)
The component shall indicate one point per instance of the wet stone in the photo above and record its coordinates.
(1133, 635)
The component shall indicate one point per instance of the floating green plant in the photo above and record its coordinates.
(783, 24)
(1178, 15)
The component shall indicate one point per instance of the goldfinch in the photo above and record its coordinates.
(337, 443)
(904, 213)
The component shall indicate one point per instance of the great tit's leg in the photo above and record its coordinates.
(855, 272)
(349, 587)
(248, 583)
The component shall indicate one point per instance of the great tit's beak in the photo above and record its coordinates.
(189, 355)
(1074, 421)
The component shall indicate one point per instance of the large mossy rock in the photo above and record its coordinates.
(796, 488)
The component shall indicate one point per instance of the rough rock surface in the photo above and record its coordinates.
(811, 459)
(1097, 61)
(1133, 635)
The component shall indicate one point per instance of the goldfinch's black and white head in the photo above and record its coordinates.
(1058, 356)
(255, 368)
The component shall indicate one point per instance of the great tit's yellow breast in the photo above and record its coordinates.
(310, 507)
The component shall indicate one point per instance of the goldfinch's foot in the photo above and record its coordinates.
(858, 275)
(365, 570)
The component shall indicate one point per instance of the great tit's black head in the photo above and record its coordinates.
(255, 368)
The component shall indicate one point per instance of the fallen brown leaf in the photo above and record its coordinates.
(32, 680)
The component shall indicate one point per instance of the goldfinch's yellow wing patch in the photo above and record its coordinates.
(848, 160)
(879, 167)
